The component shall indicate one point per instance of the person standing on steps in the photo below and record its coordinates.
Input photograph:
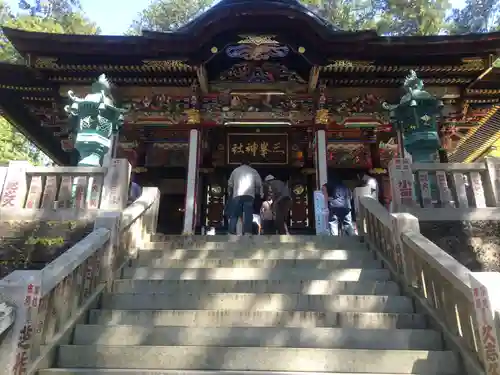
(244, 183)
(338, 200)
(282, 203)
(371, 183)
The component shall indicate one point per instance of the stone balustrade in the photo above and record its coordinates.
(49, 302)
(460, 303)
(444, 185)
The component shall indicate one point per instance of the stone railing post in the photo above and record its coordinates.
(360, 192)
(111, 259)
(401, 178)
(15, 185)
(25, 294)
(484, 287)
(492, 185)
(116, 186)
(401, 223)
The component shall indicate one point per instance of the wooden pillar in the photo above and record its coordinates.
(191, 202)
(190, 205)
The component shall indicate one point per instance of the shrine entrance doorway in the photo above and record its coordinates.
(301, 185)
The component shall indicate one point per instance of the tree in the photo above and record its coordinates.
(166, 15)
(478, 16)
(412, 17)
(346, 14)
(61, 19)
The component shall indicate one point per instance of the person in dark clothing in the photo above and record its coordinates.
(338, 200)
(282, 202)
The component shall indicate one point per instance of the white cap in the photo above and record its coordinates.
(269, 177)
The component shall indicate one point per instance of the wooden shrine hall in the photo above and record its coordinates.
(239, 80)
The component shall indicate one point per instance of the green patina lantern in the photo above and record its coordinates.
(416, 119)
(94, 119)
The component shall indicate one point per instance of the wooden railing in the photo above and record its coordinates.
(48, 303)
(440, 285)
(445, 185)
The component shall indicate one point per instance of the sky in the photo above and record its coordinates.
(115, 16)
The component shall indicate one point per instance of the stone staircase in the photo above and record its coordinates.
(321, 304)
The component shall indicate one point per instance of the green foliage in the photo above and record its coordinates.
(60, 16)
(388, 17)
(165, 15)
(346, 14)
(15, 146)
(478, 16)
(413, 17)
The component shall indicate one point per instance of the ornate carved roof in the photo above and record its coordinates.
(233, 44)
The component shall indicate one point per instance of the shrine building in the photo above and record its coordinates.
(265, 79)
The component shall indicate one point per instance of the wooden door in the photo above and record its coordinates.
(299, 215)
(215, 196)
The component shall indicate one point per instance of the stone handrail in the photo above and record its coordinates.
(456, 185)
(48, 303)
(440, 285)
(23, 186)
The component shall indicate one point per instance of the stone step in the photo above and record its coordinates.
(311, 287)
(105, 371)
(317, 264)
(144, 257)
(257, 302)
(347, 274)
(253, 240)
(258, 359)
(242, 246)
(346, 338)
(228, 318)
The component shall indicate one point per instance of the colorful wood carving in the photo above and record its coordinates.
(158, 108)
(228, 107)
(387, 152)
(348, 155)
(257, 48)
(260, 72)
(359, 111)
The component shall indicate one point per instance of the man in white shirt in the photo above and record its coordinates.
(243, 184)
(371, 183)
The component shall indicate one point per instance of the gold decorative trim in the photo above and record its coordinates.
(257, 40)
(166, 64)
(473, 130)
(473, 63)
(167, 81)
(468, 65)
(394, 81)
(477, 153)
(25, 88)
(483, 91)
(336, 64)
(44, 62)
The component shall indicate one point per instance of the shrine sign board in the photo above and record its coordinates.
(259, 148)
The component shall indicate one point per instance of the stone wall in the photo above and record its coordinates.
(475, 244)
(33, 244)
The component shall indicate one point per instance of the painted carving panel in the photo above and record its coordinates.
(49, 117)
(257, 107)
(348, 155)
(257, 47)
(357, 108)
(260, 72)
(158, 108)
